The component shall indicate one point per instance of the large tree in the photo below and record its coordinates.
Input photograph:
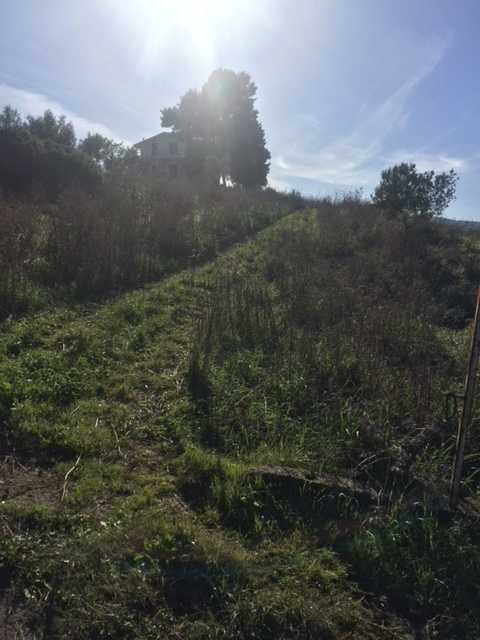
(221, 129)
(405, 192)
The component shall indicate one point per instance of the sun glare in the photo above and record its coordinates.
(195, 26)
(194, 13)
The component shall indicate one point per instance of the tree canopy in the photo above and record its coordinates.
(52, 128)
(97, 146)
(107, 153)
(221, 128)
(404, 191)
(39, 155)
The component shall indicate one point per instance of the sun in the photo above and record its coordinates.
(193, 26)
(196, 33)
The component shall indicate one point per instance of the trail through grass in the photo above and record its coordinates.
(128, 505)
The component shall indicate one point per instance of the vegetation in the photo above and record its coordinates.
(404, 191)
(227, 412)
(252, 448)
(39, 160)
(81, 220)
(130, 233)
(221, 128)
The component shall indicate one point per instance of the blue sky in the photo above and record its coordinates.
(345, 87)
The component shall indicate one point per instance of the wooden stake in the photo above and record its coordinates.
(467, 410)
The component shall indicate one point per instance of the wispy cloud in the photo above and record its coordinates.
(29, 103)
(426, 161)
(357, 158)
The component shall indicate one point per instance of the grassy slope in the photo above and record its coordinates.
(118, 518)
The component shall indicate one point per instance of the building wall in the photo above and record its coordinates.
(164, 154)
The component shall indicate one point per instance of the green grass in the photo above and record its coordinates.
(147, 414)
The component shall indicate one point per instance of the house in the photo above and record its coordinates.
(163, 154)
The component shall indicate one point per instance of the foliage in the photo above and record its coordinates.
(97, 146)
(222, 130)
(38, 157)
(48, 127)
(404, 191)
(110, 155)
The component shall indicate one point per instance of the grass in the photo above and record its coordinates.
(147, 416)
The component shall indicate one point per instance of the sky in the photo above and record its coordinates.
(346, 88)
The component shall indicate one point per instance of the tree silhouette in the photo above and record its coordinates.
(221, 129)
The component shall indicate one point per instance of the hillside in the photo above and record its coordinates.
(255, 448)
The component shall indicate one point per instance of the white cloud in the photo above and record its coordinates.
(29, 103)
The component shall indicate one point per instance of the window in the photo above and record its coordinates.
(154, 148)
(173, 148)
(172, 171)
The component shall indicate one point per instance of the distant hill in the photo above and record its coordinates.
(467, 225)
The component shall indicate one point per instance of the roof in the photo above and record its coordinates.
(163, 134)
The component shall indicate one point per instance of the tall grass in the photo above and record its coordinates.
(328, 345)
(130, 232)
(322, 336)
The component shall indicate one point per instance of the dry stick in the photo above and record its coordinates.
(117, 441)
(67, 475)
(467, 410)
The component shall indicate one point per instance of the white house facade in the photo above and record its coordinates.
(163, 154)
